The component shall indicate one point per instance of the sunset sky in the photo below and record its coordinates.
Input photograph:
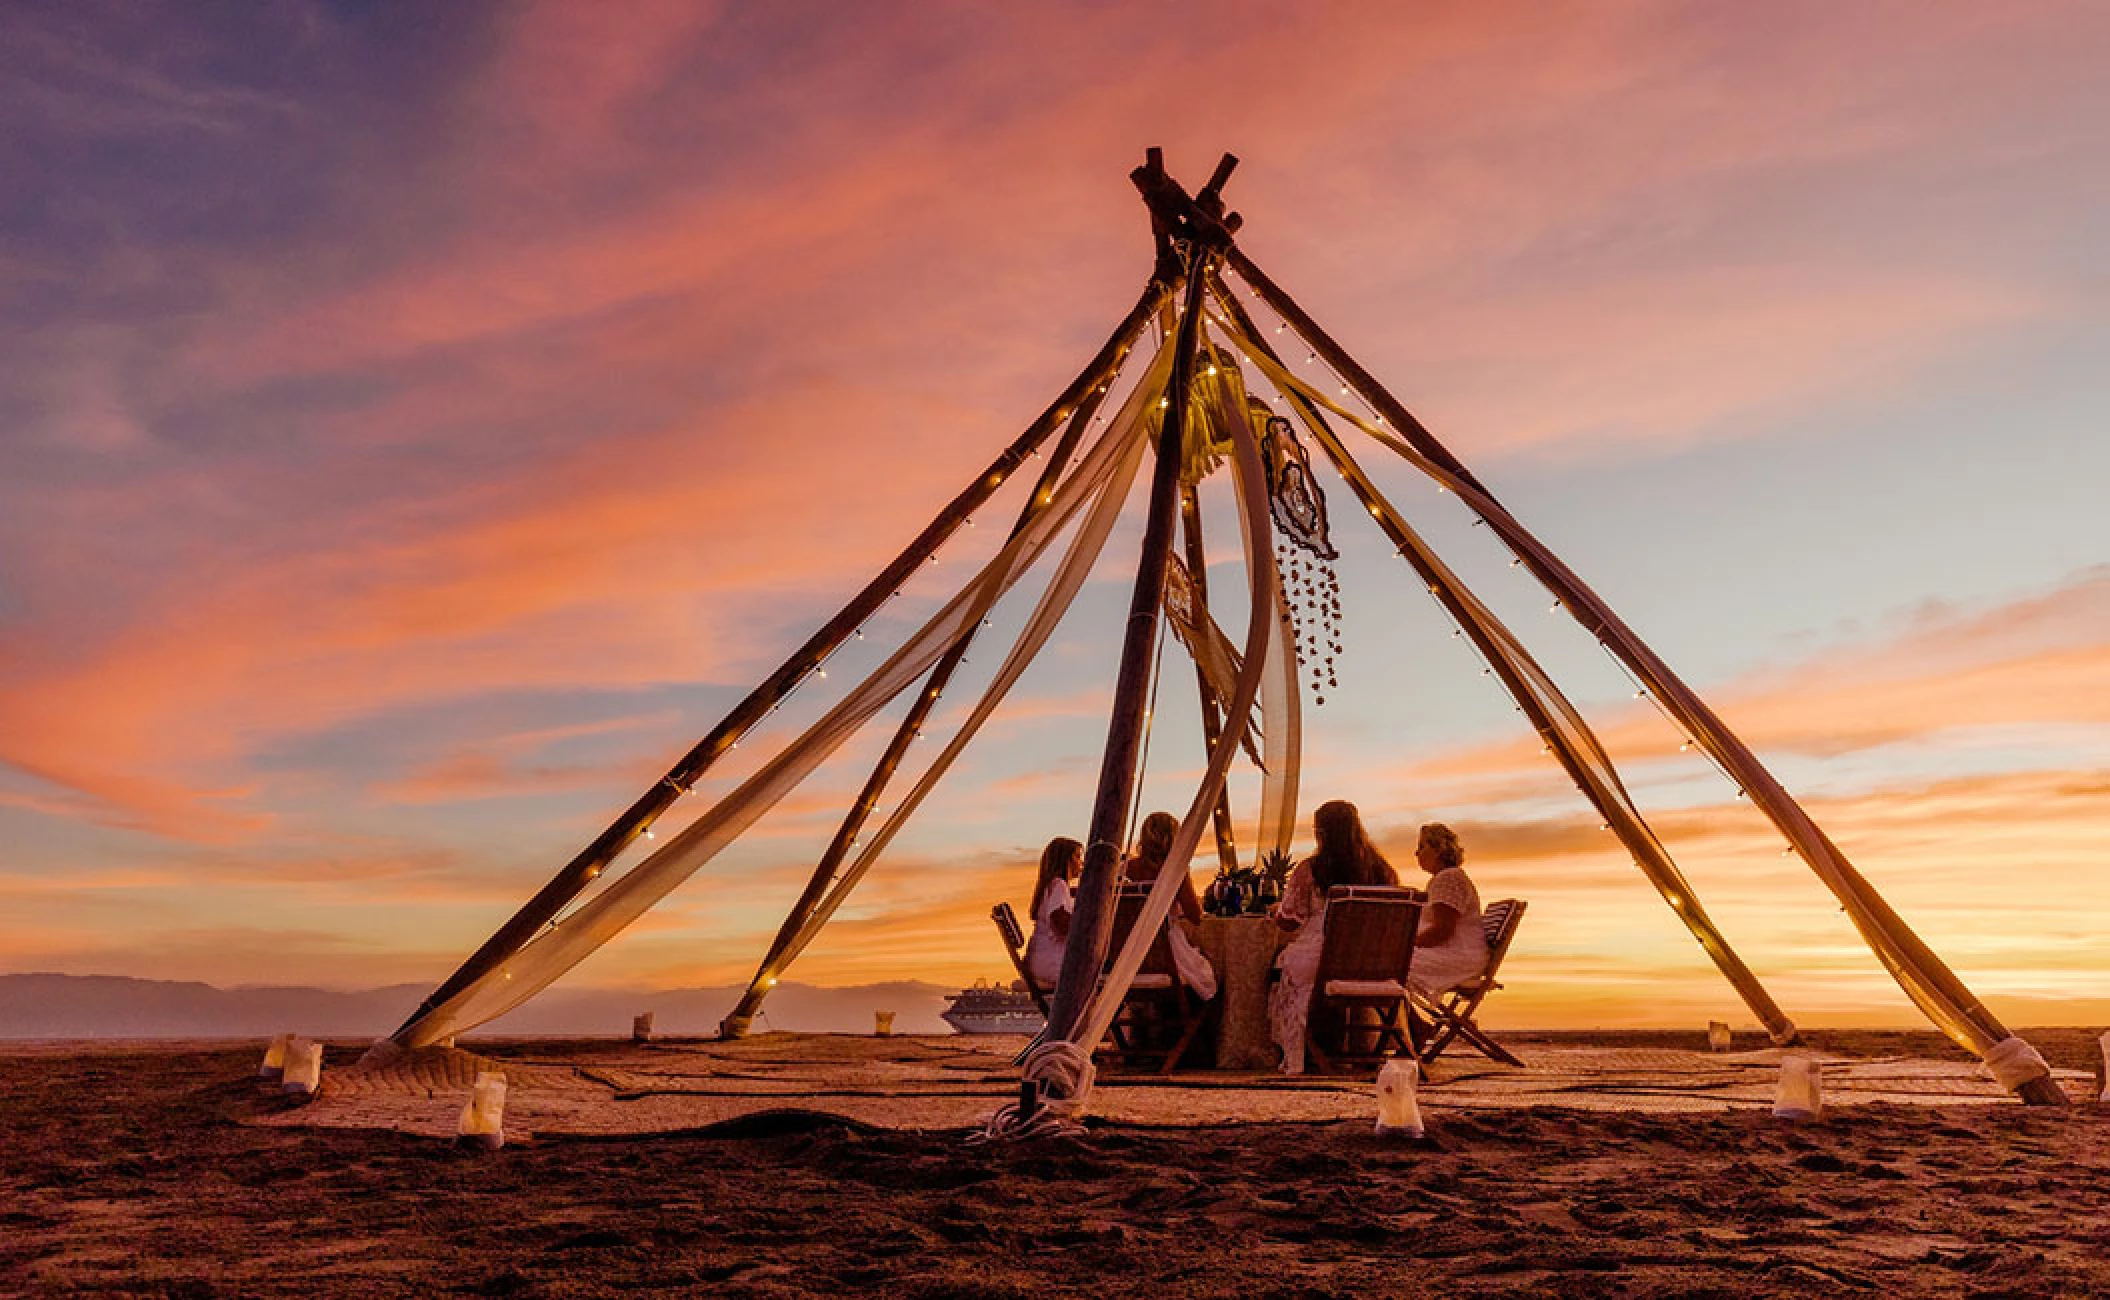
(421, 423)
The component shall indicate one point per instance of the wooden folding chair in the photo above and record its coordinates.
(1015, 944)
(1159, 1018)
(1451, 1012)
(1359, 1012)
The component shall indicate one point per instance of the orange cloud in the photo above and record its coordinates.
(2040, 662)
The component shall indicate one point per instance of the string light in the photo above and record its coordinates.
(649, 835)
(1554, 608)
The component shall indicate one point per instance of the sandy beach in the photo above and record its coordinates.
(169, 1170)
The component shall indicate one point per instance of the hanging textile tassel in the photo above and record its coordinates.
(641, 1027)
(1718, 1036)
(2102, 1069)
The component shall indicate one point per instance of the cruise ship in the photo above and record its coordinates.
(993, 1009)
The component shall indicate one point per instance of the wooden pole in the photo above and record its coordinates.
(1878, 922)
(737, 1021)
(576, 875)
(1199, 225)
(1634, 833)
(1212, 716)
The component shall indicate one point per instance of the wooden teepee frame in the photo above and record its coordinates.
(1189, 294)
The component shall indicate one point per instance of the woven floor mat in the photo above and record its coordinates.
(957, 1082)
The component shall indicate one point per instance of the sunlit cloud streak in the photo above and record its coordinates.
(413, 443)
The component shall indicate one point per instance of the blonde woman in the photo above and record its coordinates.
(1450, 948)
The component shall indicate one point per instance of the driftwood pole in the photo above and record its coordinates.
(1212, 716)
(1879, 923)
(737, 1021)
(1201, 227)
(577, 874)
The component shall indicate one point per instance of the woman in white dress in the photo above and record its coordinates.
(1153, 842)
(1450, 947)
(1059, 863)
(1345, 856)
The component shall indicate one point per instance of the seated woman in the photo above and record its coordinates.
(1051, 910)
(1153, 842)
(1345, 856)
(1450, 948)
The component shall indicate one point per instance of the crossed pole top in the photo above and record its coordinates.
(1177, 217)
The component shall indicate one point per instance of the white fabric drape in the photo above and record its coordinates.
(1076, 566)
(1924, 977)
(557, 949)
(1261, 627)
(1566, 732)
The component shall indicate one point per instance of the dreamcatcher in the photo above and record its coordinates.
(1303, 548)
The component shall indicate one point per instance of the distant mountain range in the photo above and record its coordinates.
(116, 1006)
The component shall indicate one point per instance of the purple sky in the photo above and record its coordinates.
(421, 422)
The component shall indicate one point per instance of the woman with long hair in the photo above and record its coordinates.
(1153, 843)
(1059, 863)
(1345, 856)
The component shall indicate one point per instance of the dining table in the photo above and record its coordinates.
(1242, 949)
